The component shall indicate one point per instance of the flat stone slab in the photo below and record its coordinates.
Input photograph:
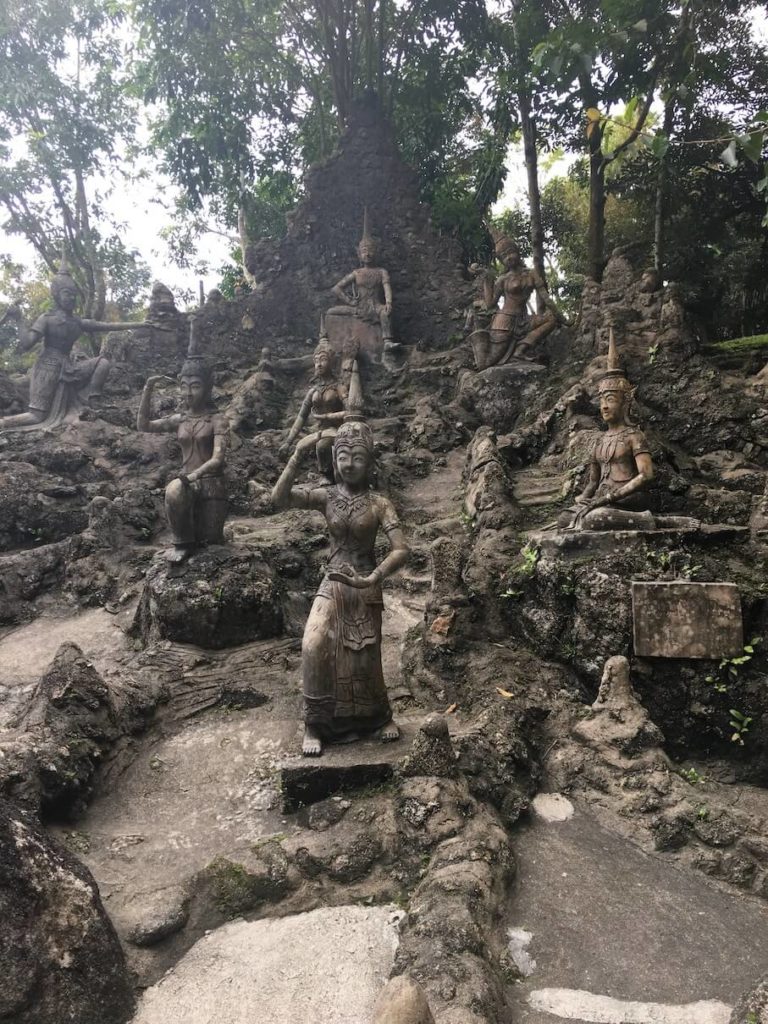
(610, 933)
(326, 966)
(342, 767)
(575, 543)
(687, 620)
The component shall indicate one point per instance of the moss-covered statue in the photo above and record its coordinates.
(343, 681)
(58, 385)
(196, 500)
(620, 466)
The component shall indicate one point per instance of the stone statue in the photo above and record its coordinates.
(343, 681)
(196, 500)
(58, 384)
(620, 467)
(325, 402)
(162, 305)
(514, 332)
(618, 720)
(369, 297)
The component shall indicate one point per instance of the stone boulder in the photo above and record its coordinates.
(36, 507)
(60, 959)
(752, 1008)
(220, 597)
(402, 1001)
(49, 757)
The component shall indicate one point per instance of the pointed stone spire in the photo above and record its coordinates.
(355, 399)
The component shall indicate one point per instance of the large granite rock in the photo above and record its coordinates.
(220, 597)
(752, 1008)
(60, 959)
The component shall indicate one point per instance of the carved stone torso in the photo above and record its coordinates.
(516, 287)
(353, 523)
(59, 331)
(196, 436)
(327, 396)
(369, 289)
(615, 453)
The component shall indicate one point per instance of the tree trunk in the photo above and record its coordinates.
(245, 241)
(596, 235)
(662, 181)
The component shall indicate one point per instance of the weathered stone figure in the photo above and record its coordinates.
(343, 681)
(325, 402)
(620, 467)
(58, 384)
(514, 332)
(196, 500)
(370, 297)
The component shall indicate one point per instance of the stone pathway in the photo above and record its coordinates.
(324, 967)
(606, 933)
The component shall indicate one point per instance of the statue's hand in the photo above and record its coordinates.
(388, 308)
(347, 575)
(159, 379)
(284, 448)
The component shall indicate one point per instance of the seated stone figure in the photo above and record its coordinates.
(514, 332)
(620, 467)
(196, 500)
(58, 385)
(366, 294)
(325, 402)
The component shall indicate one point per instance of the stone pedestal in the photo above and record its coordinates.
(220, 597)
(351, 335)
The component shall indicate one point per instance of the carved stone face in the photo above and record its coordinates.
(612, 407)
(66, 299)
(511, 259)
(194, 393)
(353, 464)
(323, 364)
(367, 253)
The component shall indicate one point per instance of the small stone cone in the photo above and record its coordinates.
(355, 399)
(432, 752)
(402, 1001)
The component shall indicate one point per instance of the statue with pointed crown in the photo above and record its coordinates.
(366, 293)
(620, 467)
(514, 331)
(343, 685)
(325, 402)
(196, 500)
(59, 385)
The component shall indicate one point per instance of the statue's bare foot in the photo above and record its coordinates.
(178, 553)
(312, 745)
(389, 733)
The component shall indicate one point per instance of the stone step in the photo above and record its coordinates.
(532, 488)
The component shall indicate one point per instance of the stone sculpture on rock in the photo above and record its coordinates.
(343, 681)
(196, 500)
(59, 385)
(325, 402)
(514, 331)
(620, 467)
(366, 303)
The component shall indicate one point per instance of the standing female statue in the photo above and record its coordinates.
(370, 298)
(196, 500)
(57, 383)
(343, 681)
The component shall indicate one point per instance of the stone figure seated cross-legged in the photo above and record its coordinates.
(196, 500)
(343, 680)
(58, 384)
(620, 466)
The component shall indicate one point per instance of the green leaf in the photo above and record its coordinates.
(728, 155)
(659, 145)
(751, 145)
(761, 116)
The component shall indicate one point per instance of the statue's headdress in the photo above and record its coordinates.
(614, 379)
(195, 364)
(367, 239)
(63, 278)
(503, 244)
(323, 344)
(354, 430)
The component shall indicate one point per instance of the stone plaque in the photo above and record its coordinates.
(687, 620)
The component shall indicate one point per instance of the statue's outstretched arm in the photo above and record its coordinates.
(301, 418)
(143, 422)
(285, 495)
(102, 327)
